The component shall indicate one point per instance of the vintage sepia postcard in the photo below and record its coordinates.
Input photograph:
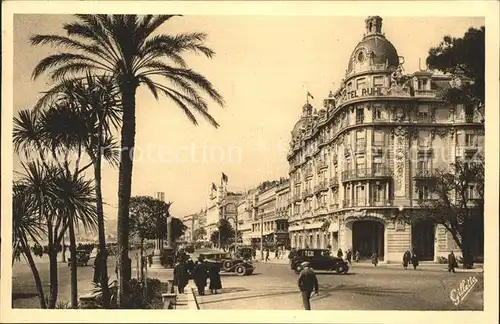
(250, 161)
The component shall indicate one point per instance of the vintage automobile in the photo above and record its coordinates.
(82, 258)
(226, 263)
(319, 259)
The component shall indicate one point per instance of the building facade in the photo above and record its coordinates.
(245, 213)
(357, 164)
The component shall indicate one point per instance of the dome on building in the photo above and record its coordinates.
(304, 119)
(374, 48)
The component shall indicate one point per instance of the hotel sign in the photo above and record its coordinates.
(364, 92)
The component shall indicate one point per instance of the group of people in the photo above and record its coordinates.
(200, 272)
(409, 257)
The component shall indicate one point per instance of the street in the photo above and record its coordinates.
(24, 294)
(274, 287)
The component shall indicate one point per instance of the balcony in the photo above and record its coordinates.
(366, 173)
(346, 203)
(425, 93)
(378, 147)
(423, 174)
(320, 210)
(424, 118)
(360, 119)
(306, 193)
(424, 149)
(334, 206)
(380, 202)
(308, 172)
(321, 186)
(297, 197)
(322, 164)
(469, 118)
(333, 182)
(359, 203)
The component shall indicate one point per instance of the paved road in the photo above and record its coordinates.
(24, 294)
(274, 287)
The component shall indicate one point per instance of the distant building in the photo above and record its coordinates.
(358, 163)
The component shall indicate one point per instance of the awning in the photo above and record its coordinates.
(334, 227)
(295, 228)
(314, 225)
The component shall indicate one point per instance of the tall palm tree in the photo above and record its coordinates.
(26, 225)
(89, 110)
(125, 47)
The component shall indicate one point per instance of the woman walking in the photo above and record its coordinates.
(406, 259)
(414, 260)
(375, 259)
(215, 282)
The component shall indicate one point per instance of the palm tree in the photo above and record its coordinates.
(89, 110)
(124, 46)
(60, 208)
(26, 225)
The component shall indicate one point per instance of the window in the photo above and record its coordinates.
(423, 193)
(377, 164)
(360, 194)
(378, 81)
(424, 138)
(360, 141)
(349, 86)
(377, 193)
(470, 192)
(422, 84)
(424, 166)
(360, 166)
(423, 112)
(361, 56)
(360, 115)
(378, 138)
(377, 112)
(361, 83)
(471, 140)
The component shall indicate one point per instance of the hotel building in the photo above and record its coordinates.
(359, 162)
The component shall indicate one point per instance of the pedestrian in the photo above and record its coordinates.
(356, 256)
(307, 283)
(349, 256)
(276, 254)
(200, 277)
(406, 259)
(254, 253)
(181, 276)
(150, 259)
(414, 260)
(340, 254)
(452, 262)
(267, 254)
(97, 268)
(215, 282)
(374, 258)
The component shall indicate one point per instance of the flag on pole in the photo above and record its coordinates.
(214, 187)
(309, 95)
(224, 177)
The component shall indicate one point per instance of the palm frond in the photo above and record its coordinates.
(26, 133)
(59, 59)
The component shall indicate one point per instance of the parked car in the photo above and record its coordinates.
(319, 259)
(226, 263)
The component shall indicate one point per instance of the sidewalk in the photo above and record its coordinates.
(478, 268)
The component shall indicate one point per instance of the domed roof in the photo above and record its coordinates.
(299, 125)
(374, 47)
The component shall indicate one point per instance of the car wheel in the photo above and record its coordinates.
(227, 265)
(298, 268)
(240, 270)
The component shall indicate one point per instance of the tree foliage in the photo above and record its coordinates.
(463, 58)
(456, 202)
(199, 233)
(226, 234)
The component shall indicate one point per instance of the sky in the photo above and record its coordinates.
(263, 67)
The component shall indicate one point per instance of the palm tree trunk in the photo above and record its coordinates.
(74, 270)
(142, 256)
(36, 274)
(128, 90)
(102, 235)
(52, 251)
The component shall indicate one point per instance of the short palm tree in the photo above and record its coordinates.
(124, 46)
(26, 226)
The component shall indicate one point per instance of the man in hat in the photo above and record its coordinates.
(307, 283)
